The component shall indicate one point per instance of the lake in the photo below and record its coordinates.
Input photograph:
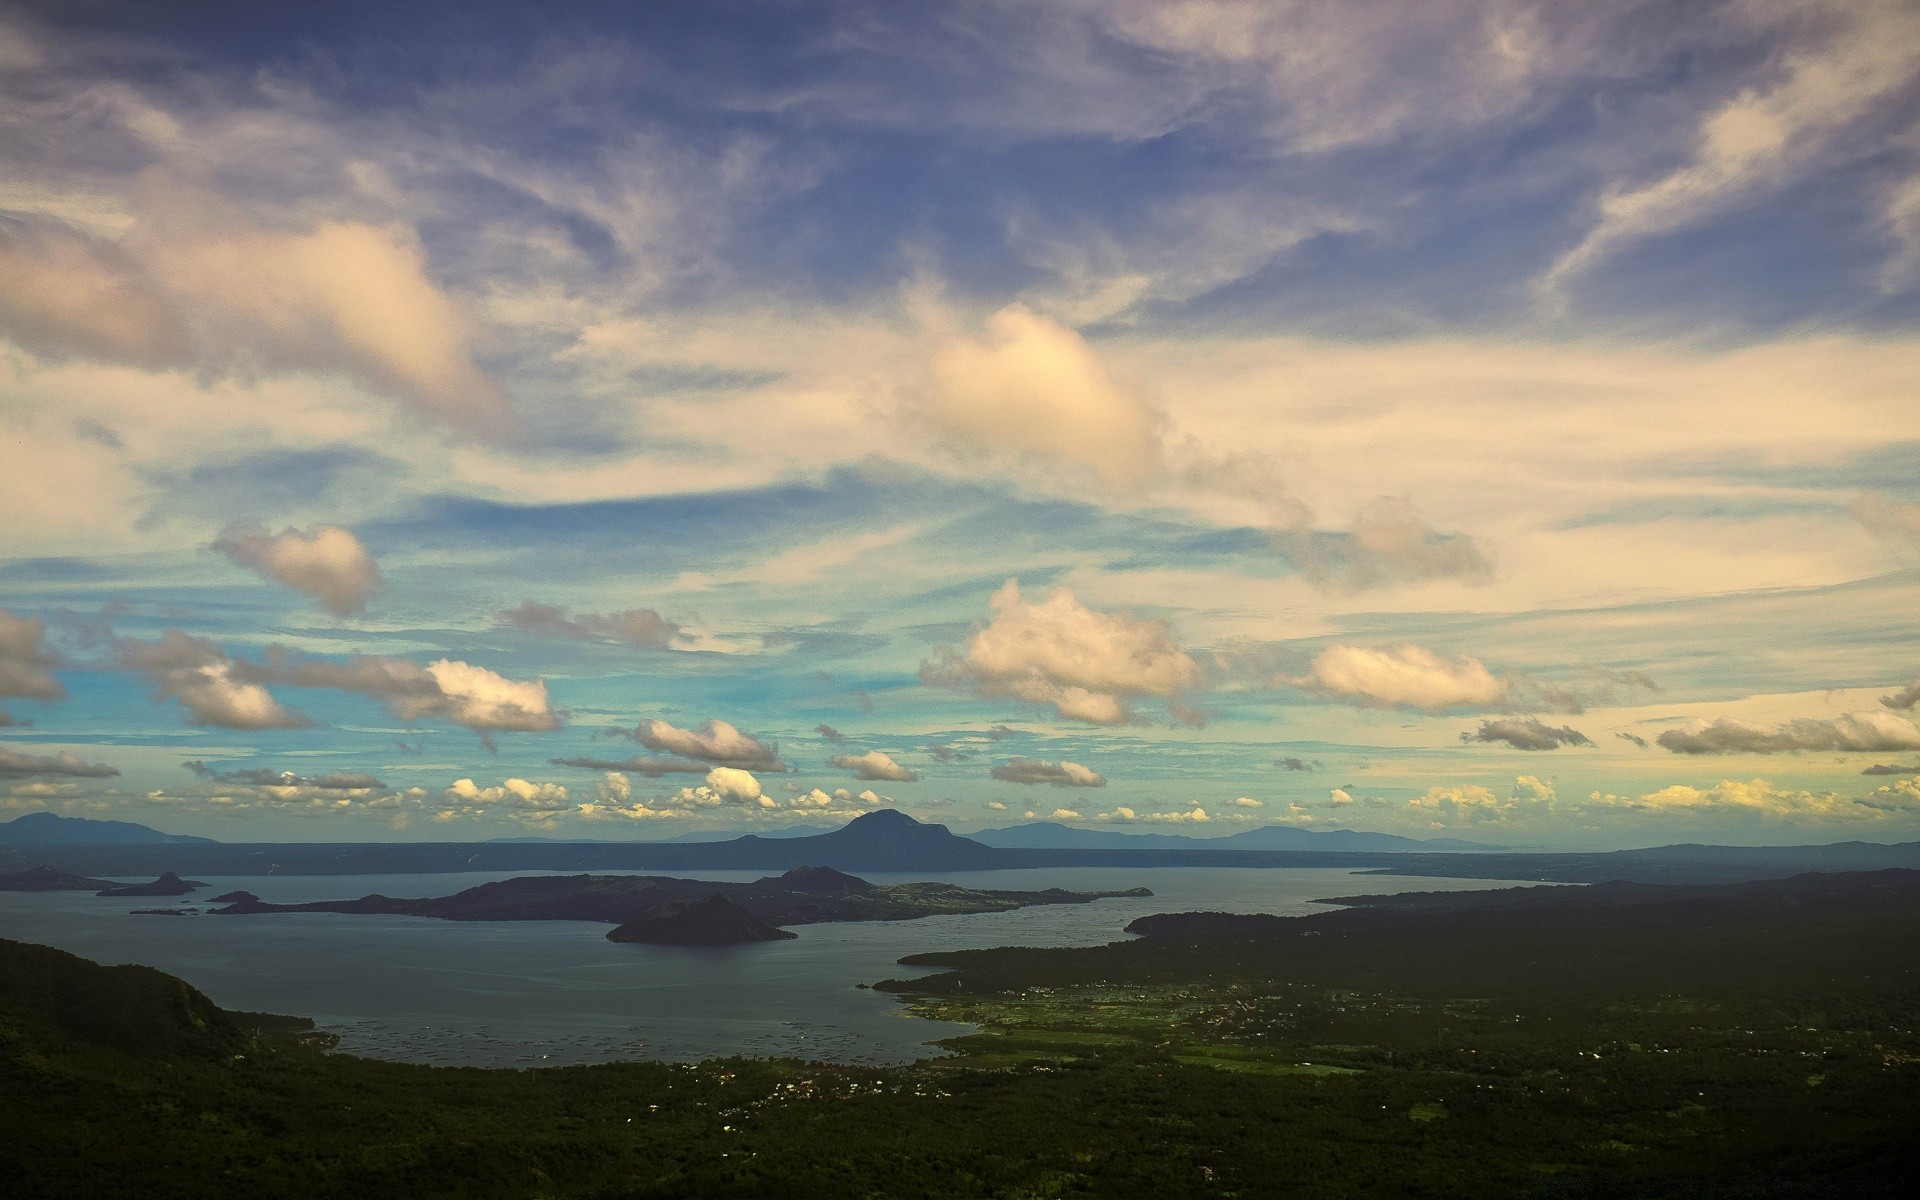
(552, 993)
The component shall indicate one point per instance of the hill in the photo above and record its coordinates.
(51, 829)
(715, 921)
(1051, 835)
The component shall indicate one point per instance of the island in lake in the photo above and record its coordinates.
(666, 910)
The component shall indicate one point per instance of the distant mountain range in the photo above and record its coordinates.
(1051, 835)
(698, 835)
(50, 829)
(892, 841)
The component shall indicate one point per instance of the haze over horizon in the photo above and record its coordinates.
(1472, 419)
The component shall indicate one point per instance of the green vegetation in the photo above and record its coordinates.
(1718, 1042)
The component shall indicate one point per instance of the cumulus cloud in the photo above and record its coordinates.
(1194, 816)
(1533, 789)
(713, 742)
(642, 627)
(1087, 665)
(1757, 796)
(1033, 388)
(1527, 733)
(207, 683)
(1402, 677)
(326, 562)
(1861, 731)
(16, 765)
(25, 662)
(343, 298)
(1389, 544)
(996, 806)
(546, 797)
(1248, 802)
(218, 689)
(1470, 802)
(1058, 774)
(874, 765)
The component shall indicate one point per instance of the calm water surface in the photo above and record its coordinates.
(550, 993)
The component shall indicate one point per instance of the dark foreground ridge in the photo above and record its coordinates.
(886, 840)
(1605, 1042)
(651, 904)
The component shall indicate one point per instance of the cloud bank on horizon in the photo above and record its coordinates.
(1503, 409)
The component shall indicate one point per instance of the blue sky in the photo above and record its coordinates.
(1483, 419)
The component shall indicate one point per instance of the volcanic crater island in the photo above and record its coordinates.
(664, 910)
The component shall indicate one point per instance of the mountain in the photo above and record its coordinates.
(890, 840)
(727, 835)
(168, 884)
(1050, 835)
(50, 829)
(46, 879)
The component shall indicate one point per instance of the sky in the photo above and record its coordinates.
(1465, 418)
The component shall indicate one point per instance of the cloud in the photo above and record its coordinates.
(642, 627)
(332, 781)
(1527, 733)
(1033, 388)
(1861, 731)
(546, 797)
(206, 682)
(713, 742)
(830, 734)
(1892, 769)
(1248, 802)
(1058, 774)
(1339, 797)
(1195, 816)
(1295, 764)
(874, 765)
(1086, 664)
(725, 785)
(1889, 520)
(1388, 545)
(343, 298)
(326, 562)
(1758, 796)
(15, 765)
(449, 690)
(996, 806)
(1402, 677)
(218, 689)
(1904, 698)
(1635, 738)
(1767, 135)
(1470, 801)
(25, 662)
(1064, 814)
(1532, 789)
(652, 768)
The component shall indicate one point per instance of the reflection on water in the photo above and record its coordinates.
(553, 993)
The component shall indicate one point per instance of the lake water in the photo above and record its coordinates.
(551, 993)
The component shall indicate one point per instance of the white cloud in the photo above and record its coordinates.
(731, 783)
(1533, 789)
(1058, 774)
(1196, 816)
(1758, 796)
(996, 806)
(25, 661)
(1860, 731)
(1086, 664)
(874, 765)
(1034, 388)
(1402, 677)
(1063, 814)
(1769, 134)
(1248, 802)
(326, 562)
(712, 741)
(543, 796)
(204, 680)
